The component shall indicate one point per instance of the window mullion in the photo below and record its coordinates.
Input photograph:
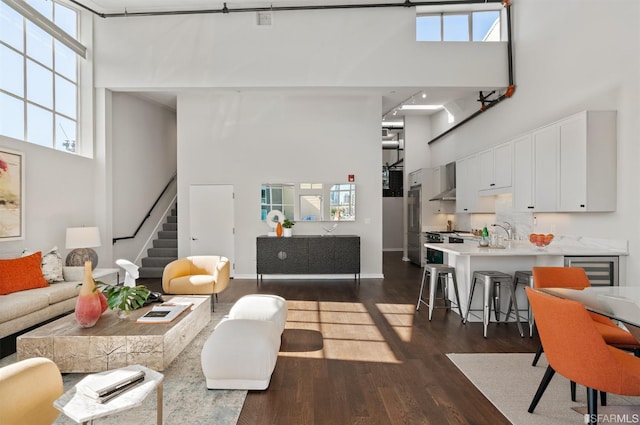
(24, 80)
(54, 79)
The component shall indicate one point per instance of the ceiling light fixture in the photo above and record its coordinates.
(421, 107)
(401, 104)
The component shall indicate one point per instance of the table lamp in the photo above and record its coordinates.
(82, 240)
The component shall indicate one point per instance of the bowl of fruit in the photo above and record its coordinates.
(540, 239)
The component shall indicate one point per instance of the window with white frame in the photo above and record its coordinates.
(39, 77)
(459, 26)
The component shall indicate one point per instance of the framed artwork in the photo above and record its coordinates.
(11, 195)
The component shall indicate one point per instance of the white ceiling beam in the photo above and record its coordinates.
(46, 25)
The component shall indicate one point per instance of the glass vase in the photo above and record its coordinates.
(88, 306)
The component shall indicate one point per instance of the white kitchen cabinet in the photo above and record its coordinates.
(468, 199)
(523, 174)
(567, 166)
(545, 153)
(463, 186)
(495, 169)
(535, 170)
(415, 178)
(587, 159)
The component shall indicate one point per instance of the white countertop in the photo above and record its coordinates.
(525, 248)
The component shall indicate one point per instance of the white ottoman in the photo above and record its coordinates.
(242, 351)
(240, 355)
(261, 307)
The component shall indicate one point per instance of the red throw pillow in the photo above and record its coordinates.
(18, 274)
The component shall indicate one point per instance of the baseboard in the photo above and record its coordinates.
(310, 276)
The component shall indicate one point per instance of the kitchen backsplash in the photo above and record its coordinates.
(523, 223)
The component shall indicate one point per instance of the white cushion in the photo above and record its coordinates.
(240, 355)
(261, 307)
(51, 265)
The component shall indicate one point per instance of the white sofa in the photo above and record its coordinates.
(23, 309)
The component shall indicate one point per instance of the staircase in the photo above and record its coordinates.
(165, 248)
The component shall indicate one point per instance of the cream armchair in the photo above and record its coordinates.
(196, 275)
(28, 389)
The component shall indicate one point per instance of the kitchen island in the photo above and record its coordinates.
(516, 256)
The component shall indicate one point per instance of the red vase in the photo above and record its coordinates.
(88, 306)
(103, 301)
(279, 229)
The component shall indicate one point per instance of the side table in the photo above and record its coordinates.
(100, 273)
(84, 410)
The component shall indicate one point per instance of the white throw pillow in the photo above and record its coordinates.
(51, 265)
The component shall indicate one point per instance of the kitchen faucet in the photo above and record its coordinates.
(508, 228)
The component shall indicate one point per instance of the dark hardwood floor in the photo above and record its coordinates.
(361, 354)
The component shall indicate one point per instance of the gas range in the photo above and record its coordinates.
(442, 237)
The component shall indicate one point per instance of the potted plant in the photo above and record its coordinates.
(124, 299)
(287, 227)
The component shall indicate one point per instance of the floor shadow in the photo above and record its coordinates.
(301, 340)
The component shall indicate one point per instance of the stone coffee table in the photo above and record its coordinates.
(113, 343)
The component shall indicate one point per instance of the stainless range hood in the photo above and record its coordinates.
(447, 183)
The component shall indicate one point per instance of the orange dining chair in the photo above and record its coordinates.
(576, 278)
(576, 350)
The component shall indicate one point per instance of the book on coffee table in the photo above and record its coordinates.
(164, 313)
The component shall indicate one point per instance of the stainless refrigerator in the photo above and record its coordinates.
(414, 225)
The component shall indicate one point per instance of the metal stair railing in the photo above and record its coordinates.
(173, 178)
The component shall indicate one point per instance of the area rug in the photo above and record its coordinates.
(509, 382)
(186, 397)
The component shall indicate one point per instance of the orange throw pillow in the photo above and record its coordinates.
(19, 274)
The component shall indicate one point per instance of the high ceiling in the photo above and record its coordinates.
(392, 97)
(118, 6)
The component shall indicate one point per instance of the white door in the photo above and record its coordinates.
(211, 218)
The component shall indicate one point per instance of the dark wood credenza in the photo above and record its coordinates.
(308, 254)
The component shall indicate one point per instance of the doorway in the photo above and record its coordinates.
(211, 218)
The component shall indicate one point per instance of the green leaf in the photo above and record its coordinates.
(124, 298)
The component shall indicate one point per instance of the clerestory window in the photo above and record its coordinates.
(459, 26)
(39, 77)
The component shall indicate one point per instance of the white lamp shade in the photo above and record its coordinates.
(82, 237)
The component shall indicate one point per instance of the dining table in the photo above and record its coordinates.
(621, 303)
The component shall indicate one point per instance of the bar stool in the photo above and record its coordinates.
(492, 281)
(524, 277)
(438, 273)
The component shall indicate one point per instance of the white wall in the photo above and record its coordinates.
(393, 219)
(59, 193)
(571, 56)
(360, 48)
(249, 138)
(144, 159)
